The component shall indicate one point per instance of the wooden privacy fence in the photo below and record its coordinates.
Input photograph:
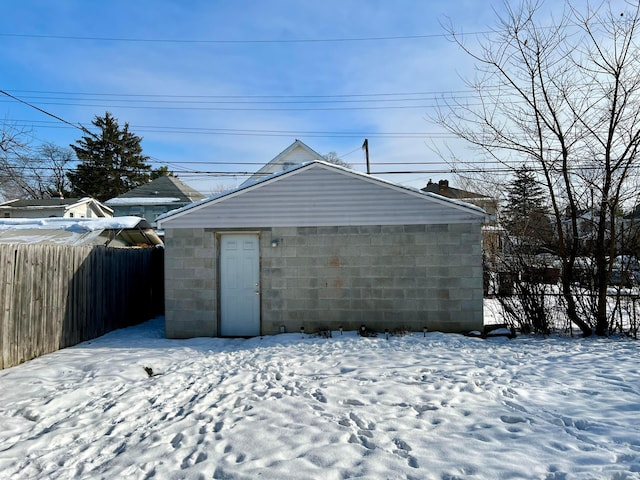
(55, 296)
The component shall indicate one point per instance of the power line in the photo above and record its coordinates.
(243, 173)
(244, 101)
(505, 169)
(441, 94)
(349, 153)
(508, 165)
(269, 133)
(234, 42)
(308, 134)
(378, 38)
(156, 95)
(450, 170)
(80, 127)
(248, 104)
(240, 109)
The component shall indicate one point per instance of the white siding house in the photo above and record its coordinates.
(295, 154)
(55, 207)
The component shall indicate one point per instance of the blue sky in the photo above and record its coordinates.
(230, 84)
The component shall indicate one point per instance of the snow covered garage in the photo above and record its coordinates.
(320, 246)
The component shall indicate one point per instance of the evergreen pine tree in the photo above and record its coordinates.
(111, 163)
(526, 214)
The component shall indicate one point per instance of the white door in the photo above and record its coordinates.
(239, 285)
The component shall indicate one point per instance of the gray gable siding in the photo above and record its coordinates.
(321, 195)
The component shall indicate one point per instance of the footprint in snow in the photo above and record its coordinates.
(424, 408)
(319, 396)
(509, 393)
(402, 445)
(344, 422)
(512, 419)
(177, 440)
(403, 451)
(202, 456)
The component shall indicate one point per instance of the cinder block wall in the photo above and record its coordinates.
(380, 276)
(190, 283)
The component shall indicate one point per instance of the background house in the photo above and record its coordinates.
(494, 236)
(321, 246)
(55, 207)
(295, 154)
(488, 204)
(154, 198)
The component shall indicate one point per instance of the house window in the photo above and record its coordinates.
(71, 215)
(7, 214)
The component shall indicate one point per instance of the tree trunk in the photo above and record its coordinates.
(567, 280)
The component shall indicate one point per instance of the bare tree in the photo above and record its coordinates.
(563, 95)
(49, 168)
(13, 144)
(37, 173)
(332, 157)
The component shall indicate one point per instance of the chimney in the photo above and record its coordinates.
(443, 186)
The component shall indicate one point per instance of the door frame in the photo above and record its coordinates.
(219, 235)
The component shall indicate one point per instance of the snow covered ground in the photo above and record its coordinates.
(287, 407)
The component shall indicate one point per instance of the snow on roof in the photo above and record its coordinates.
(118, 231)
(141, 200)
(73, 224)
(494, 228)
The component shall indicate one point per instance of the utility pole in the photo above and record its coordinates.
(365, 147)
